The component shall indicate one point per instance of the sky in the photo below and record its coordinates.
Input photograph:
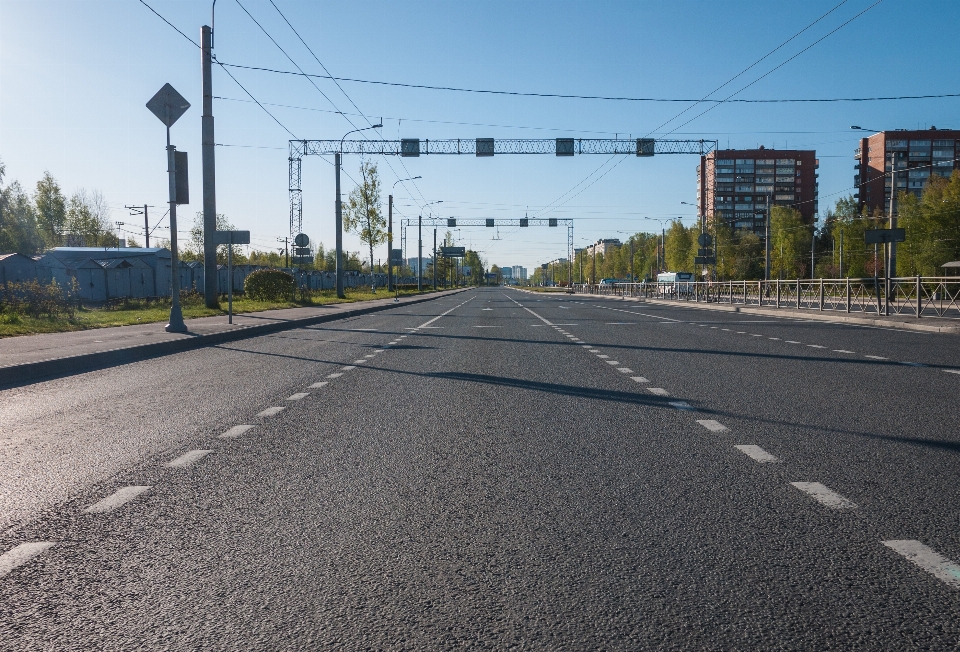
(75, 76)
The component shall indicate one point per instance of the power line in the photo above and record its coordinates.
(602, 97)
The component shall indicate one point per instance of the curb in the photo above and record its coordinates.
(29, 372)
(811, 315)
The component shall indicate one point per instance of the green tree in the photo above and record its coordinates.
(362, 214)
(679, 247)
(472, 260)
(193, 249)
(789, 243)
(932, 227)
(18, 220)
(88, 220)
(51, 210)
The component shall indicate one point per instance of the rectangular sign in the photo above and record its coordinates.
(705, 260)
(232, 237)
(409, 147)
(396, 257)
(453, 252)
(882, 236)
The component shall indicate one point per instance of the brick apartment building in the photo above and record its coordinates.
(918, 155)
(733, 185)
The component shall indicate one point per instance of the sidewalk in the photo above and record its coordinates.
(927, 324)
(29, 357)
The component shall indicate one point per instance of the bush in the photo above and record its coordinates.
(33, 299)
(269, 285)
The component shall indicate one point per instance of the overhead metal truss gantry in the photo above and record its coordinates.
(483, 147)
(522, 222)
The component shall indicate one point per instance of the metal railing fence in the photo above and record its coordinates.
(914, 296)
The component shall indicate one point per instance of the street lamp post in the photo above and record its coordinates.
(662, 250)
(420, 245)
(390, 232)
(339, 209)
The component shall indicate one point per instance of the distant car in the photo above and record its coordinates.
(608, 281)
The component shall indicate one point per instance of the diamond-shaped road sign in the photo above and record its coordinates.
(168, 105)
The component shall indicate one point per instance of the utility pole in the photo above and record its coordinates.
(210, 290)
(420, 253)
(766, 273)
(390, 243)
(892, 223)
(813, 247)
(138, 210)
(286, 253)
(632, 277)
(841, 253)
(434, 260)
(339, 267)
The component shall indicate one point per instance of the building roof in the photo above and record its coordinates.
(14, 256)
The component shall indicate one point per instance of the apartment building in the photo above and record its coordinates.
(918, 155)
(734, 185)
(602, 246)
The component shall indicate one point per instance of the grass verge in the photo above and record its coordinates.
(150, 311)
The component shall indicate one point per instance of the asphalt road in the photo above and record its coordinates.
(493, 470)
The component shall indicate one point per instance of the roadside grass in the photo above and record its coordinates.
(136, 311)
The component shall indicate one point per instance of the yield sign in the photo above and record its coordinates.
(168, 105)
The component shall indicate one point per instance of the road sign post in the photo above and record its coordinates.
(168, 105)
(886, 237)
(230, 238)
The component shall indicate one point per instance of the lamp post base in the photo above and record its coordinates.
(176, 324)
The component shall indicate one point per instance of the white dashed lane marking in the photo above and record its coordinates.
(336, 375)
(271, 411)
(318, 385)
(361, 361)
(841, 351)
(681, 405)
(875, 357)
(658, 391)
(624, 370)
(923, 556)
(712, 425)
(235, 432)
(187, 459)
(349, 367)
(600, 355)
(117, 499)
(756, 453)
(823, 495)
(791, 342)
(613, 362)
(20, 555)
(816, 346)
(298, 396)
(952, 371)
(639, 379)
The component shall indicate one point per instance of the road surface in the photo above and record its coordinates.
(494, 469)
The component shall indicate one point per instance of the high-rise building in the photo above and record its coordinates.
(506, 273)
(918, 156)
(602, 246)
(734, 185)
(519, 273)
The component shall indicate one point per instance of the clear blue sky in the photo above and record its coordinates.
(74, 77)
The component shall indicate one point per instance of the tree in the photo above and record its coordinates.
(193, 251)
(679, 247)
(472, 260)
(18, 220)
(362, 214)
(88, 220)
(789, 243)
(51, 210)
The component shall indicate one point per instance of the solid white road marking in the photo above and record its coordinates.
(923, 556)
(270, 411)
(336, 375)
(117, 499)
(235, 432)
(823, 495)
(298, 396)
(755, 452)
(187, 459)
(639, 379)
(659, 391)
(318, 385)
(712, 425)
(875, 357)
(624, 370)
(20, 555)
(681, 405)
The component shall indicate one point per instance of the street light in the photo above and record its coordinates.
(336, 163)
(420, 244)
(390, 232)
(661, 259)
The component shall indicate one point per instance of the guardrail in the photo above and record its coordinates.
(915, 296)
